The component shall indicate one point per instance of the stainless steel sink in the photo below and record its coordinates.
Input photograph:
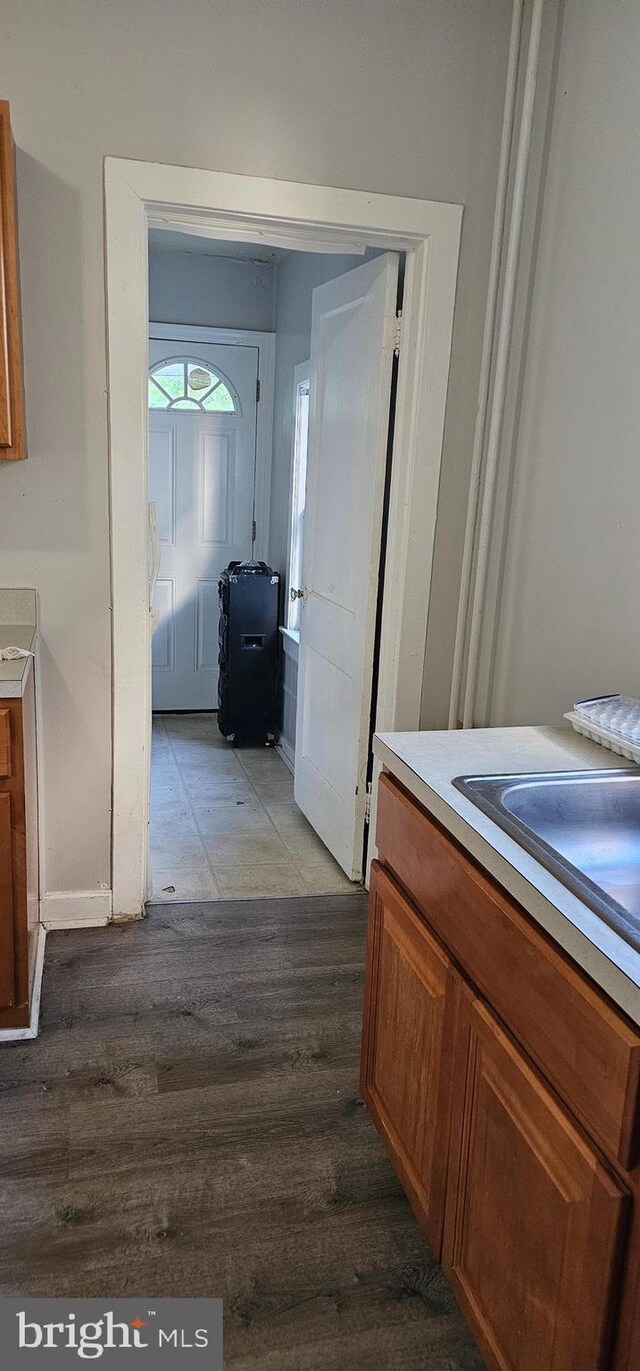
(583, 826)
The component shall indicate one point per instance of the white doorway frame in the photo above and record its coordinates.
(302, 217)
(266, 345)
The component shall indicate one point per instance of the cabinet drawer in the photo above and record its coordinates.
(5, 743)
(583, 1046)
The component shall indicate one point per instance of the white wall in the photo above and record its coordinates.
(569, 624)
(215, 292)
(398, 96)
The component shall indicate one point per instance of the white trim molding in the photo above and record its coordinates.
(140, 194)
(290, 652)
(285, 751)
(536, 30)
(76, 908)
(20, 1035)
(290, 641)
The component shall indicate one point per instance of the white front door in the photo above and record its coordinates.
(202, 455)
(352, 342)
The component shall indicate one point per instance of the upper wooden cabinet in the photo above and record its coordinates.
(13, 439)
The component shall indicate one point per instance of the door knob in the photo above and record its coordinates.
(297, 594)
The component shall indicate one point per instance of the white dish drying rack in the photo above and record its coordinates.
(613, 721)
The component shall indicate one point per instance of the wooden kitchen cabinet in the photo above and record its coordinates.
(6, 903)
(535, 1220)
(406, 1076)
(587, 1049)
(13, 445)
(18, 857)
(506, 1088)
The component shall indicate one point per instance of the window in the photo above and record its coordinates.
(300, 441)
(186, 383)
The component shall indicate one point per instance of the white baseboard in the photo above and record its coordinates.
(76, 908)
(20, 1035)
(284, 750)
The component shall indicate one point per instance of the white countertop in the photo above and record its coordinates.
(426, 765)
(18, 628)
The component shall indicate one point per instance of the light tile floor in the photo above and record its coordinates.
(224, 823)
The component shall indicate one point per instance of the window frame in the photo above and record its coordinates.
(297, 504)
(186, 403)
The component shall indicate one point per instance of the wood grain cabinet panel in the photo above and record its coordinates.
(6, 905)
(5, 743)
(535, 1221)
(407, 1043)
(12, 417)
(18, 859)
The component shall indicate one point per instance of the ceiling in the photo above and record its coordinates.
(171, 240)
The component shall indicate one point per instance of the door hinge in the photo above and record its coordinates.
(257, 389)
(253, 531)
(398, 333)
(367, 804)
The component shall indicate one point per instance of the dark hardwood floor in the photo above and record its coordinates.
(188, 1123)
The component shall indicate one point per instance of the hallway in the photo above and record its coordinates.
(189, 1122)
(224, 823)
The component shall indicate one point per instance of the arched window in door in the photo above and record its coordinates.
(188, 383)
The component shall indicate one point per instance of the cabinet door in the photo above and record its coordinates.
(410, 1002)
(534, 1221)
(6, 904)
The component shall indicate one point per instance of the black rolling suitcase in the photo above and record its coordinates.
(248, 652)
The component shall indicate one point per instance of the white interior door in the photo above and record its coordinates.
(202, 455)
(352, 342)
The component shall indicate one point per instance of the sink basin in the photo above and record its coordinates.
(583, 826)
